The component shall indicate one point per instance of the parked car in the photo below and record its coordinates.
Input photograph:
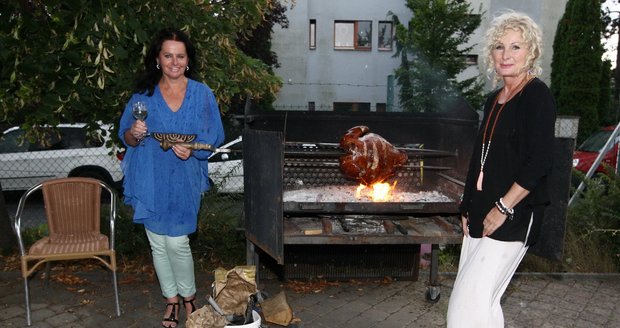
(586, 153)
(226, 169)
(73, 152)
(67, 151)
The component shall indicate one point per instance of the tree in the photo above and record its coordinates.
(76, 60)
(605, 104)
(612, 27)
(258, 45)
(7, 238)
(577, 66)
(433, 49)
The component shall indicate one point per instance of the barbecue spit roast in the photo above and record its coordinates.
(333, 236)
(370, 158)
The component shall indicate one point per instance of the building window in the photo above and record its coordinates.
(312, 40)
(381, 108)
(471, 60)
(353, 35)
(311, 107)
(385, 36)
(351, 107)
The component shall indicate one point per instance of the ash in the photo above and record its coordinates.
(346, 194)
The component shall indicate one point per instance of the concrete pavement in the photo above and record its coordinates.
(530, 301)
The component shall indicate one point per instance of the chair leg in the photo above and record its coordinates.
(27, 297)
(48, 270)
(115, 282)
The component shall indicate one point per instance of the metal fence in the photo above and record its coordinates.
(68, 150)
(21, 170)
(23, 165)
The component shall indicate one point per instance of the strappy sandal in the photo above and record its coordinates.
(174, 315)
(191, 302)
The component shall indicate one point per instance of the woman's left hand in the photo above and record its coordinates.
(182, 152)
(492, 221)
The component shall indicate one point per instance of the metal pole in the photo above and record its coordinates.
(246, 110)
(616, 101)
(617, 76)
(390, 93)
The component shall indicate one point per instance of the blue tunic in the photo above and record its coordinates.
(164, 190)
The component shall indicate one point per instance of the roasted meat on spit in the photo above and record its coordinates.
(370, 158)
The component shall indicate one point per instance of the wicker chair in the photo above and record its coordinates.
(72, 207)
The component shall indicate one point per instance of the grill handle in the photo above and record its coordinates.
(409, 207)
(309, 207)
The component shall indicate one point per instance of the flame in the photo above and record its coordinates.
(379, 192)
(358, 191)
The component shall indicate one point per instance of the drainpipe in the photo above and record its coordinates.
(390, 93)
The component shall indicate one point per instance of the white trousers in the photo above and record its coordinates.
(174, 264)
(485, 269)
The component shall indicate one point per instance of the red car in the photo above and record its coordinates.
(586, 153)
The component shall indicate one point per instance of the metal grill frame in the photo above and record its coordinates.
(269, 152)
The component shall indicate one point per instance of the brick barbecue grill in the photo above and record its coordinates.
(296, 195)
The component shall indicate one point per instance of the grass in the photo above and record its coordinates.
(592, 240)
(217, 243)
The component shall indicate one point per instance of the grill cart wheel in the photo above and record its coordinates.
(433, 294)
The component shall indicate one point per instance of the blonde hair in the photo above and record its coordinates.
(532, 36)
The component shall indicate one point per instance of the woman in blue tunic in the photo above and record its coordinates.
(165, 187)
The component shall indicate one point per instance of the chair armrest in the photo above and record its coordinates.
(112, 215)
(17, 220)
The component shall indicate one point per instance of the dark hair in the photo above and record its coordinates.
(151, 75)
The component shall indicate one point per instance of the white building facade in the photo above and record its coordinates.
(338, 55)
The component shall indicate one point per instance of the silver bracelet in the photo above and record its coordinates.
(509, 212)
(508, 209)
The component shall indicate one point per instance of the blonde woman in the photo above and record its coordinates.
(506, 188)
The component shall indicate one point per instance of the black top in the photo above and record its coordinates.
(521, 152)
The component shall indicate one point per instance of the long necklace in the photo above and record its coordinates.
(486, 144)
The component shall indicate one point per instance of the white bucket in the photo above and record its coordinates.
(255, 324)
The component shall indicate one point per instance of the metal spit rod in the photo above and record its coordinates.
(333, 149)
(337, 164)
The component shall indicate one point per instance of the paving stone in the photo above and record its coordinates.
(595, 318)
(42, 314)
(557, 291)
(390, 307)
(17, 321)
(403, 316)
(530, 301)
(34, 306)
(570, 304)
(355, 307)
(431, 319)
(61, 320)
(11, 311)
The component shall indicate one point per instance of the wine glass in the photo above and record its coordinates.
(139, 112)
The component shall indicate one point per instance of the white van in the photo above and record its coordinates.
(226, 169)
(66, 151)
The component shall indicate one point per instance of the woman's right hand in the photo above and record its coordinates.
(464, 225)
(138, 129)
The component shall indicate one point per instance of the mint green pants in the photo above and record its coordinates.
(174, 264)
